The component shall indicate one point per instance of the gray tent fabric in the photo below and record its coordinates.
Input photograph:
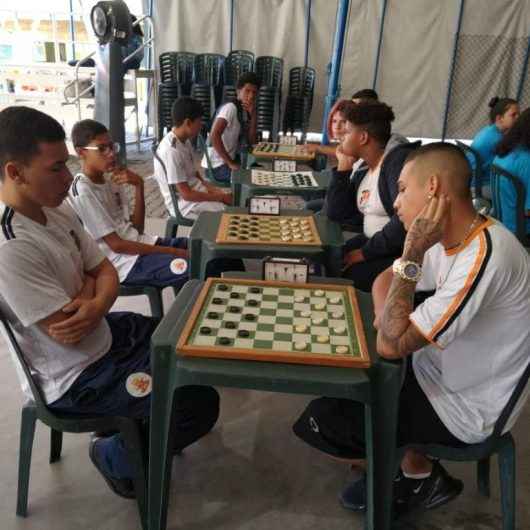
(415, 60)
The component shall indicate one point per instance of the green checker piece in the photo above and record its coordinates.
(263, 344)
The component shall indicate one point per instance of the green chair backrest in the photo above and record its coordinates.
(496, 176)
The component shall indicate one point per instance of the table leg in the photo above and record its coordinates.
(384, 428)
(333, 262)
(236, 193)
(195, 249)
(160, 458)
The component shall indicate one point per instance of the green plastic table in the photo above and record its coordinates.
(203, 248)
(242, 187)
(376, 387)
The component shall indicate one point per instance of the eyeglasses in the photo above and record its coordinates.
(104, 149)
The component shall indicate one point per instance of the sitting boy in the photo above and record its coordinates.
(175, 165)
(468, 344)
(56, 289)
(234, 128)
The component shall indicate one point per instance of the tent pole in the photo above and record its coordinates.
(72, 29)
(379, 44)
(307, 31)
(452, 72)
(232, 2)
(523, 74)
(336, 60)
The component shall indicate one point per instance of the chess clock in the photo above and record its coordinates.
(264, 205)
(288, 140)
(284, 165)
(285, 270)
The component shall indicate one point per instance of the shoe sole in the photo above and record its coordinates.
(92, 456)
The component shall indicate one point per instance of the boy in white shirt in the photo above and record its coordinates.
(56, 288)
(234, 127)
(175, 165)
(469, 342)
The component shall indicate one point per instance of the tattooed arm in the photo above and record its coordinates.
(397, 337)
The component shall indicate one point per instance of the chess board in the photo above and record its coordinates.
(284, 322)
(289, 152)
(280, 179)
(246, 229)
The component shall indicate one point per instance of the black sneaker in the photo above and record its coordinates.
(122, 487)
(437, 489)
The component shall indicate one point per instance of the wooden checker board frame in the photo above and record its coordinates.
(289, 357)
(222, 232)
(301, 156)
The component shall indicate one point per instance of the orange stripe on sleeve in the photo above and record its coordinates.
(457, 300)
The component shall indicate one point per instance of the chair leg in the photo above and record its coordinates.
(483, 477)
(56, 445)
(507, 478)
(155, 302)
(171, 227)
(27, 433)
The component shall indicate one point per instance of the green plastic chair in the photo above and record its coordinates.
(178, 220)
(154, 294)
(36, 408)
(496, 176)
(498, 443)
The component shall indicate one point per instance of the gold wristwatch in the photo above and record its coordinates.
(408, 270)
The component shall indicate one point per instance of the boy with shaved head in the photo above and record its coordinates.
(468, 343)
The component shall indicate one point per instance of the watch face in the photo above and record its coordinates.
(410, 270)
(285, 270)
(284, 165)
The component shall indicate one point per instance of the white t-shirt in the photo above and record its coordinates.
(178, 157)
(369, 203)
(43, 269)
(102, 209)
(478, 324)
(230, 135)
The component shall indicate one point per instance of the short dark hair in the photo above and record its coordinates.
(498, 106)
(84, 131)
(518, 135)
(21, 131)
(374, 117)
(438, 147)
(248, 78)
(366, 93)
(185, 108)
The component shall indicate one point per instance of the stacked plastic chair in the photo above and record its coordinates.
(300, 99)
(206, 95)
(270, 71)
(167, 94)
(268, 110)
(237, 63)
(177, 67)
(208, 70)
(229, 94)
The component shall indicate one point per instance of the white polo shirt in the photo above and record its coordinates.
(103, 210)
(369, 203)
(230, 136)
(478, 326)
(178, 157)
(43, 269)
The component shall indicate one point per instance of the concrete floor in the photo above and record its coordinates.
(250, 473)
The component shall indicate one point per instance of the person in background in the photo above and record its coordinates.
(234, 128)
(513, 155)
(503, 113)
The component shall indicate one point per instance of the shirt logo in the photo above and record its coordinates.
(76, 239)
(365, 197)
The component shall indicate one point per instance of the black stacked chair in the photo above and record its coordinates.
(229, 94)
(237, 63)
(268, 110)
(270, 71)
(167, 94)
(300, 99)
(208, 70)
(177, 67)
(205, 94)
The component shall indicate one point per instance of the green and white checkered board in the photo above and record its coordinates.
(276, 315)
(284, 179)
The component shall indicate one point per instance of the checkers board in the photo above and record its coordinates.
(317, 324)
(289, 152)
(281, 179)
(246, 229)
